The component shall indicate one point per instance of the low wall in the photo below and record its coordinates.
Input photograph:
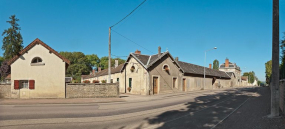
(92, 90)
(5, 90)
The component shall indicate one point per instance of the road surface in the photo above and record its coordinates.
(201, 109)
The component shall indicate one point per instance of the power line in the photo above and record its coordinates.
(132, 41)
(128, 14)
(118, 56)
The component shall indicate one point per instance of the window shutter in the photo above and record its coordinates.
(31, 84)
(16, 84)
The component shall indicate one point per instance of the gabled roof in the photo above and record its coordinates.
(148, 60)
(31, 45)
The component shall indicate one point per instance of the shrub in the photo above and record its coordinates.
(103, 81)
(95, 81)
(86, 81)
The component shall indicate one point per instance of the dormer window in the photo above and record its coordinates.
(37, 61)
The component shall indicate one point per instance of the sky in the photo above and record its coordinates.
(240, 29)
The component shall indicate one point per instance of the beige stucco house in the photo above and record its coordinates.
(161, 73)
(38, 72)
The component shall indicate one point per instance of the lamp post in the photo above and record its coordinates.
(205, 66)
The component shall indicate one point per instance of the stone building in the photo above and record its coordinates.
(38, 72)
(232, 69)
(161, 73)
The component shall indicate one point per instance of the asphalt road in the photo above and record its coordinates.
(196, 110)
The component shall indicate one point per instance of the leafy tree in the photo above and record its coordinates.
(4, 69)
(12, 41)
(1, 60)
(251, 76)
(79, 64)
(216, 64)
(104, 62)
(268, 71)
(93, 60)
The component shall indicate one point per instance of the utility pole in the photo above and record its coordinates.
(109, 62)
(275, 61)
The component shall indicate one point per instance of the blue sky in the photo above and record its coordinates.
(241, 29)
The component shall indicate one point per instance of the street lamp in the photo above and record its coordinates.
(205, 66)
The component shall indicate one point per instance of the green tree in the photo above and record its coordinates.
(268, 71)
(104, 62)
(251, 76)
(216, 64)
(93, 60)
(79, 64)
(1, 60)
(12, 41)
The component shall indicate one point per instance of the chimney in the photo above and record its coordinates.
(137, 52)
(176, 58)
(227, 62)
(116, 63)
(210, 66)
(159, 51)
(93, 72)
(99, 69)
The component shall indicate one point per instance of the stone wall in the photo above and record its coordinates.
(92, 90)
(5, 90)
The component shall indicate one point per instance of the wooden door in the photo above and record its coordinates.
(155, 85)
(184, 84)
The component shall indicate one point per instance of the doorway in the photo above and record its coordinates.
(155, 85)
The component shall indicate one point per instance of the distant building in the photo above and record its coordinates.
(232, 69)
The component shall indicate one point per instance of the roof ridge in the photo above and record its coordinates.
(32, 44)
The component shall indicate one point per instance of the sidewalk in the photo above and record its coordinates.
(123, 98)
(253, 114)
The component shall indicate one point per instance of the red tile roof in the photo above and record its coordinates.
(35, 42)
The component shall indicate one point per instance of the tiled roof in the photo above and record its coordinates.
(195, 69)
(148, 60)
(113, 70)
(35, 42)
(244, 78)
(8, 76)
(87, 76)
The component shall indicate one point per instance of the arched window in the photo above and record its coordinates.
(37, 60)
(133, 68)
(165, 67)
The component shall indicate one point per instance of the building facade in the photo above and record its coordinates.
(232, 69)
(161, 73)
(38, 72)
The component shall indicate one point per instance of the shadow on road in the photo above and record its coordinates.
(205, 112)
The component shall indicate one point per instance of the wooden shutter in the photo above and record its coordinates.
(31, 84)
(16, 84)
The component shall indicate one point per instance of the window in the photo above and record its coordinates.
(165, 67)
(174, 82)
(118, 79)
(132, 68)
(37, 60)
(111, 80)
(130, 82)
(24, 84)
